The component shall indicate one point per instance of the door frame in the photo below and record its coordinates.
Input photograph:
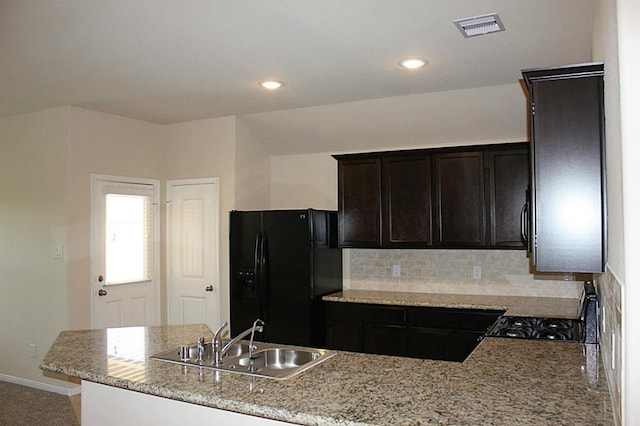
(95, 251)
(182, 182)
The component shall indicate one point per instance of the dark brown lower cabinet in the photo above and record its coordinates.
(349, 325)
(384, 339)
(417, 332)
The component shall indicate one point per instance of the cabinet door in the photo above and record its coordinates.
(462, 343)
(568, 184)
(429, 343)
(459, 204)
(369, 328)
(508, 181)
(407, 201)
(344, 335)
(384, 339)
(359, 203)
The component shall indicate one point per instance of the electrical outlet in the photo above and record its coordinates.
(58, 252)
(33, 350)
(613, 350)
(477, 272)
(395, 272)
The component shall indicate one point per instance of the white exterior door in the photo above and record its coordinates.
(124, 251)
(193, 251)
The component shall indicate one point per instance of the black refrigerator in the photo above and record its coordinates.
(281, 263)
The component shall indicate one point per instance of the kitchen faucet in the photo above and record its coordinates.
(220, 351)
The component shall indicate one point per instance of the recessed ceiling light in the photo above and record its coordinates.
(271, 84)
(412, 63)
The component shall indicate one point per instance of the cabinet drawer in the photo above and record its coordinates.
(368, 313)
(453, 319)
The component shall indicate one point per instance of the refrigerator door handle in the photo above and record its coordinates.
(257, 271)
(263, 289)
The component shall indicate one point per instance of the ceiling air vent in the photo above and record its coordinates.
(479, 25)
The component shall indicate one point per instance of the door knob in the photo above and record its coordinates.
(209, 288)
(102, 292)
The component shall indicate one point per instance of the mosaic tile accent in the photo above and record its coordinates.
(610, 293)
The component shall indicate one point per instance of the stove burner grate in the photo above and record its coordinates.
(537, 328)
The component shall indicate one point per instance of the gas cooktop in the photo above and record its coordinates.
(561, 329)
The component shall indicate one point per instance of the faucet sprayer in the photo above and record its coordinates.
(220, 351)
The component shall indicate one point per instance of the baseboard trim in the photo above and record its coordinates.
(42, 386)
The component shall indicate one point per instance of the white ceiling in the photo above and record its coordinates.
(168, 61)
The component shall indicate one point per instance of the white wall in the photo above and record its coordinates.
(33, 216)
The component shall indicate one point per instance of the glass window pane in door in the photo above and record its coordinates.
(128, 249)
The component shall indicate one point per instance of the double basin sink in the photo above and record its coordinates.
(267, 360)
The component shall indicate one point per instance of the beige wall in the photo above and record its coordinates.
(301, 181)
(33, 215)
(605, 48)
(253, 171)
(102, 144)
(454, 117)
(628, 13)
(205, 148)
(616, 38)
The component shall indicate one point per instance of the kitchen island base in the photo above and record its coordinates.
(107, 405)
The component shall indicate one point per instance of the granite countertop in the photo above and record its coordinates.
(526, 306)
(503, 382)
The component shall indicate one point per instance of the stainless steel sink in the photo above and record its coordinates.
(267, 360)
(280, 358)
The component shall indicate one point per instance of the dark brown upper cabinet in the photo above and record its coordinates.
(407, 201)
(508, 175)
(359, 203)
(460, 199)
(463, 197)
(568, 209)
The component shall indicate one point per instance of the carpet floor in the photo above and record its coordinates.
(22, 405)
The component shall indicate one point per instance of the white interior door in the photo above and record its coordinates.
(193, 251)
(124, 251)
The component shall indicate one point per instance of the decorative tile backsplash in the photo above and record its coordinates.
(501, 272)
(610, 293)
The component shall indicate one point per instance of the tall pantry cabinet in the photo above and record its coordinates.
(567, 194)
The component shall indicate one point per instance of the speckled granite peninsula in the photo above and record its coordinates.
(503, 382)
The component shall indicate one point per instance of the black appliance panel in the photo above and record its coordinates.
(289, 276)
(281, 272)
(244, 239)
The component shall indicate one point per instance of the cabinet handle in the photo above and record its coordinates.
(524, 222)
